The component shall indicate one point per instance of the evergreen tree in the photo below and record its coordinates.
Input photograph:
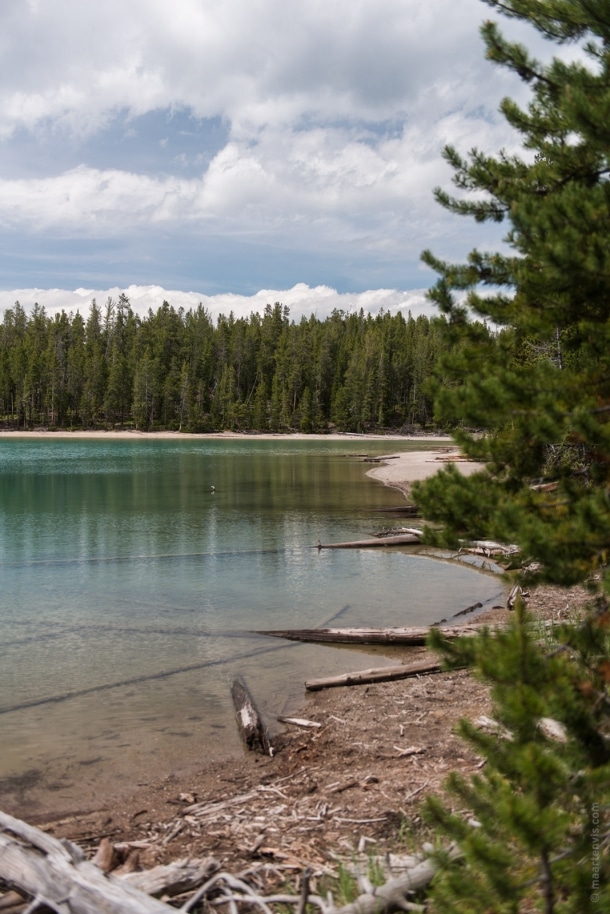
(552, 285)
(538, 396)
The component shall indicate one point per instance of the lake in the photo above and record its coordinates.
(130, 591)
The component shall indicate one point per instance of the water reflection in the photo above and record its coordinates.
(129, 591)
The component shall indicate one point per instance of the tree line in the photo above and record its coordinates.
(178, 370)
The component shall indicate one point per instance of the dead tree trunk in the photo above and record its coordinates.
(249, 721)
(57, 875)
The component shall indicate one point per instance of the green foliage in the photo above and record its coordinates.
(534, 402)
(177, 370)
(529, 827)
(344, 887)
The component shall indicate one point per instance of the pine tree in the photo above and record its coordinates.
(553, 285)
(533, 403)
(539, 810)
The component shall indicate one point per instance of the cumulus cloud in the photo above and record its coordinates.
(301, 300)
(254, 63)
(333, 117)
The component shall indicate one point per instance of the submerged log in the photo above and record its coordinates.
(409, 637)
(404, 539)
(378, 674)
(249, 721)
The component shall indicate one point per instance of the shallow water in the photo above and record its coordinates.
(130, 593)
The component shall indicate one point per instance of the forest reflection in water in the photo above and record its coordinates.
(130, 591)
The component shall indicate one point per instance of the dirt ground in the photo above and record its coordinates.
(353, 785)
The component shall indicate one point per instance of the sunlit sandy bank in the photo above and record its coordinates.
(411, 466)
(267, 436)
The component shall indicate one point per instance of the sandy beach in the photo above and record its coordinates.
(400, 470)
(127, 433)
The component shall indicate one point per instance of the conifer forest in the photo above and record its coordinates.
(177, 370)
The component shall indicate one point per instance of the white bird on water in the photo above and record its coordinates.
(212, 489)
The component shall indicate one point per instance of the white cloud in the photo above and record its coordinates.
(301, 300)
(333, 120)
(259, 63)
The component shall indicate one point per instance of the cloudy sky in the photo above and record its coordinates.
(243, 151)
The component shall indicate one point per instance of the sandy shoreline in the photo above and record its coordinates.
(245, 436)
(400, 470)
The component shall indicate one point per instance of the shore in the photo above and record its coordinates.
(396, 469)
(400, 470)
(246, 436)
(353, 784)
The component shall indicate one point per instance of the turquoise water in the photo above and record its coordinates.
(130, 591)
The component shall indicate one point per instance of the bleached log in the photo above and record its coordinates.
(207, 809)
(410, 637)
(173, 878)
(400, 509)
(553, 729)
(383, 674)
(515, 594)
(489, 548)
(550, 728)
(403, 539)
(57, 874)
(392, 896)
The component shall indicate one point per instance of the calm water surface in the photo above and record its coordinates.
(130, 591)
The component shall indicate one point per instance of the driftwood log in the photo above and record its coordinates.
(402, 539)
(490, 548)
(56, 874)
(392, 896)
(377, 674)
(409, 637)
(251, 726)
(400, 509)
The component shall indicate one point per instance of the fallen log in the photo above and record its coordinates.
(400, 509)
(405, 539)
(409, 637)
(378, 674)
(249, 721)
(392, 896)
(174, 878)
(489, 548)
(56, 874)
